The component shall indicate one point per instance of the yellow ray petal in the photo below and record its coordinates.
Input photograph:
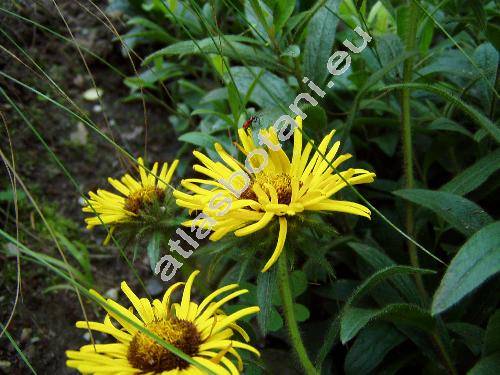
(214, 295)
(279, 245)
(142, 171)
(252, 228)
(186, 296)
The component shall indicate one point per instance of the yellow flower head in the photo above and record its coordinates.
(202, 331)
(111, 208)
(243, 202)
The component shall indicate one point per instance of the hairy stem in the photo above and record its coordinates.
(410, 42)
(291, 322)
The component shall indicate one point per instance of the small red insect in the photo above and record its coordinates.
(249, 122)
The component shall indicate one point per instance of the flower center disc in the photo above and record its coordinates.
(281, 182)
(149, 356)
(139, 199)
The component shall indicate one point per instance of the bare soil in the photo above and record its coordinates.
(43, 323)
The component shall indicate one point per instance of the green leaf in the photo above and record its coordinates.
(378, 260)
(486, 366)
(160, 33)
(492, 336)
(249, 92)
(219, 94)
(8, 195)
(472, 177)
(229, 45)
(462, 214)
(470, 334)
(387, 68)
(354, 319)
(379, 19)
(298, 283)
(470, 111)
(275, 321)
(426, 31)
(387, 143)
(373, 79)
(370, 348)
(477, 261)
(199, 139)
(486, 58)
(235, 101)
(319, 41)
(339, 290)
(403, 16)
(380, 276)
(150, 77)
(266, 284)
(154, 249)
(283, 9)
(301, 312)
(269, 91)
(328, 342)
(316, 118)
(443, 123)
(260, 16)
(220, 115)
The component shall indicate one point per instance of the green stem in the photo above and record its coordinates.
(410, 42)
(446, 358)
(291, 322)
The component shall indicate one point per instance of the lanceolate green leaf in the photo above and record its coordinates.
(370, 348)
(472, 177)
(330, 338)
(380, 276)
(199, 139)
(462, 214)
(486, 58)
(354, 319)
(269, 91)
(476, 262)
(283, 9)
(229, 45)
(380, 261)
(319, 41)
(470, 111)
(370, 82)
(154, 249)
(260, 17)
(266, 284)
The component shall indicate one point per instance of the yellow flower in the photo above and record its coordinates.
(279, 188)
(112, 208)
(202, 331)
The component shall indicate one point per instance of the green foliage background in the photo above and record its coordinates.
(418, 106)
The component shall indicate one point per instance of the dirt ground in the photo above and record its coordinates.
(43, 324)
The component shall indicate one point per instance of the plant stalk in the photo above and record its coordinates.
(407, 141)
(291, 322)
(446, 358)
(410, 44)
